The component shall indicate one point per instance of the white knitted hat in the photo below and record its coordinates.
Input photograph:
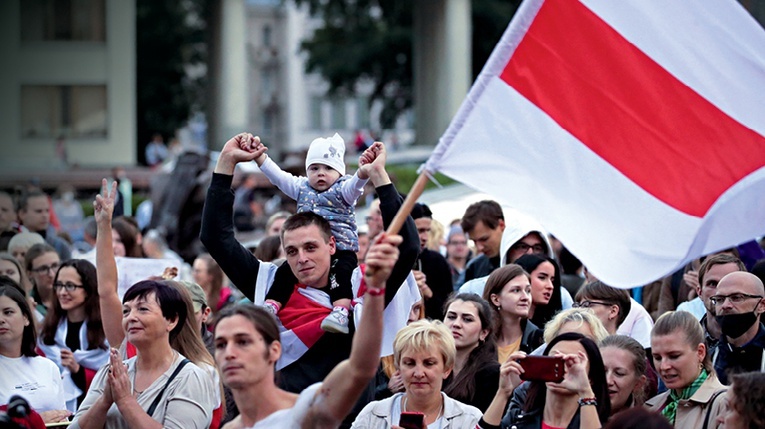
(328, 151)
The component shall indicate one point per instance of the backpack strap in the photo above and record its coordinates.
(154, 404)
(711, 404)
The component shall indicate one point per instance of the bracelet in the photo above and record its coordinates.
(588, 401)
(375, 291)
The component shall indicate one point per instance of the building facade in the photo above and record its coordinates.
(288, 107)
(67, 87)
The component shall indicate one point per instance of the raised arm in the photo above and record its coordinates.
(286, 182)
(343, 386)
(509, 379)
(390, 203)
(353, 188)
(217, 233)
(106, 266)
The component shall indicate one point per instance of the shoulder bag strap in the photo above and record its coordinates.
(709, 407)
(154, 404)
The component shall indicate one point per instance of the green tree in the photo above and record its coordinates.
(371, 41)
(171, 38)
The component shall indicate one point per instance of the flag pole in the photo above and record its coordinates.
(409, 201)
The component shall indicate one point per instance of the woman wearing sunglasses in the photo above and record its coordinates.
(72, 334)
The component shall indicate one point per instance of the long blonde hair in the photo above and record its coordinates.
(188, 341)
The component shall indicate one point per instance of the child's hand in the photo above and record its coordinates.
(370, 154)
(368, 158)
(249, 142)
(232, 153)
(253, 145)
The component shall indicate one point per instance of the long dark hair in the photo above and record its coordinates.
(95, 330)
(29, 337)
(494, 285)
(543, 313)
(463, 385)
(129, 236)
(535, 400)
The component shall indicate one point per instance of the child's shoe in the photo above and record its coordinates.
(270, 307)
(337, 321)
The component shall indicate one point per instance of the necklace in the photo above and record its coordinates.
(138, 392)
(438, 414)
(135, 372)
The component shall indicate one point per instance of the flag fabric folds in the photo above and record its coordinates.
(300, 318)
(633, 130)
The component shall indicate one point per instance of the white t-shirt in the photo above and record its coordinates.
(36, 379)
(291, 418)
(638, 324)
(694, 306)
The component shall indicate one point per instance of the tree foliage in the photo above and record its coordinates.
(171, 38)
(371, 41)
(364, 41)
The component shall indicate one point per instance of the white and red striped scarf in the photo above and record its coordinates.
(92, 359)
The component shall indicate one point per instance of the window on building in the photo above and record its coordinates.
(267, 35)
(63, 20)
(362, 112)
(269, 121)
(316, 116)
(338, 114)
(267, 83)
(48, 111)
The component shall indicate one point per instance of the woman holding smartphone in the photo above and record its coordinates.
(579, 400)
(424, 352)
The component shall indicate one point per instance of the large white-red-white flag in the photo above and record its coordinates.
(632, 129)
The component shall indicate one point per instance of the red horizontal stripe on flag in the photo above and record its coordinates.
(629, 110)
(303, 316)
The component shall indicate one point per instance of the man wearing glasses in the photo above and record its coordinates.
(739, 302)
(712, 270)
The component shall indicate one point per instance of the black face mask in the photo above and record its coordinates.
(735, 325)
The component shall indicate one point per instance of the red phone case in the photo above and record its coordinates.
(411, 420)
(542, 368)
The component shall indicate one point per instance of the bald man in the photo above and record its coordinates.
(739, 302)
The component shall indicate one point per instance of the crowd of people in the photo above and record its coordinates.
(488, 322)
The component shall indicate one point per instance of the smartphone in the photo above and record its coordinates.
(412, 420)
(542, 368)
